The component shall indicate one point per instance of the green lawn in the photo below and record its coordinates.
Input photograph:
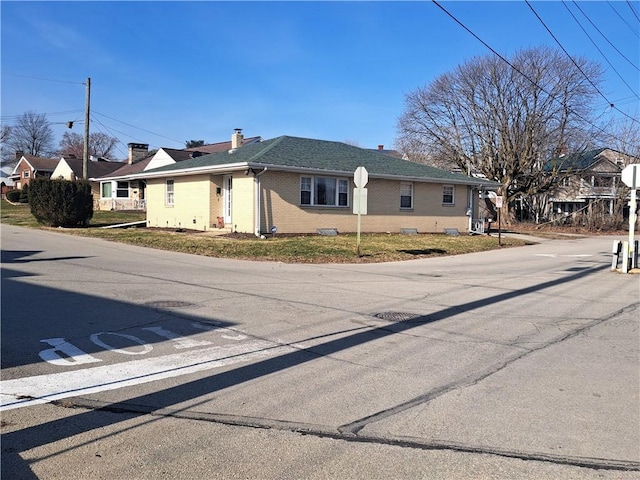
(290, 249)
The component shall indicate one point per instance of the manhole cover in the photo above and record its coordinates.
(168, 304)
(397, 316)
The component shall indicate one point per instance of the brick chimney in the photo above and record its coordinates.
(137, 151)
(236, 139)
(380, 147)
(19, 154)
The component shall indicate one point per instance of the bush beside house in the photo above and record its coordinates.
(14, 195)
(61, 203)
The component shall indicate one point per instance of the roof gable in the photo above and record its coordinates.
(94, 168)
(39, 164)
(125, 170)
(598, 158)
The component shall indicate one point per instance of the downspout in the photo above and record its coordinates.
(257, 215)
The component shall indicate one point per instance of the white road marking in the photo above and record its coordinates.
(553, 255)
(28, 391)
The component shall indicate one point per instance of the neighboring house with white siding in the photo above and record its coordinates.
(120, 190)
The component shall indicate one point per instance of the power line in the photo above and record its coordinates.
(576, 65)
(521, 73)
(15, 117)
(633, 10)
(42, 78)
(598, 30)
(624, 20)
(117, 146)
(133, 126)
(597, 48)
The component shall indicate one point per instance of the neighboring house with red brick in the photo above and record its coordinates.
(29, 167)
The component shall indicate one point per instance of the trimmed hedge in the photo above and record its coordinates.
(13, 196)
(61, 203)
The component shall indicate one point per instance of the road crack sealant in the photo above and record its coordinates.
(352, 432)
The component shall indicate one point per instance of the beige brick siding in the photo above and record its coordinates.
(197, 197)
(191, 207)
(281, 207)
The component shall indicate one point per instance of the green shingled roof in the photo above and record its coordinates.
(319, 155)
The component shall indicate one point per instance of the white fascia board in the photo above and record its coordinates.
(342, 173)
(18, 164)
(227, 167)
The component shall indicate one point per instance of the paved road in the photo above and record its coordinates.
(123, 362)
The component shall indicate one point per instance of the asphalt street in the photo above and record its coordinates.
(122, 362)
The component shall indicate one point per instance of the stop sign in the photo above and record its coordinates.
(631, 175)
(360, 177)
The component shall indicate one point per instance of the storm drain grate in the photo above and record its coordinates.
(397, 316)
(168, 304)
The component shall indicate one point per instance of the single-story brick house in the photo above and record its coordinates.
(301, 185)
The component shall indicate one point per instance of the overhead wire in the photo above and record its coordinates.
(600, 32)
(133, 126)
(42, 78)
(578, 66)
(624, 20)
(521, 73)
(633, 10)
(98, 123)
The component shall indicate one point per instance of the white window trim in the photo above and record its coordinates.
(116, 189)
(411, 195)
(453, 195)
(336, 203)
(169, 196)
(101, 189)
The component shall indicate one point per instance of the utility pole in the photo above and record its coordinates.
(85, 153)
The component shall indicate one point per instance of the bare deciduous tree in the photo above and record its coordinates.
(504, 121)
(31, 134)
(100, 144)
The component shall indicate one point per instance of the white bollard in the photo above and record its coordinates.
(617, 245)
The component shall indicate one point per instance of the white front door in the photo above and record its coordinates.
(228, 188)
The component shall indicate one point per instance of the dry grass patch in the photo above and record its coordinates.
(288, 249)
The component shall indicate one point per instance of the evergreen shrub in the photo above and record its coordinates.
(61, 203)
(13, 196)
(24, 194)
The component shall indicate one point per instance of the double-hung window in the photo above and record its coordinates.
(168, 197)
(448, 195)
(406, 195)
(324, 191)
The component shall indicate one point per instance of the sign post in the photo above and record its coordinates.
(360, 179)
(499, 207)
(631, 178)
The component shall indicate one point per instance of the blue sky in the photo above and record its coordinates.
(166, 72)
